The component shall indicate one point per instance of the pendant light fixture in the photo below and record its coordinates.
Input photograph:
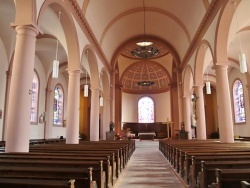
(208, 86)
(101, 100)
(86, 86)
(56, 62)
(146, 48)
(242, 56)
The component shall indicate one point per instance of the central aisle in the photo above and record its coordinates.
(148, 168)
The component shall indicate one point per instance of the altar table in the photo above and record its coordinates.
(148, 135)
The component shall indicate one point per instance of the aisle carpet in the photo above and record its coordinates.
(148, 168)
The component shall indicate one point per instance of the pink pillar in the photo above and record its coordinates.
(187, 115)
(94, 115)
(112, 95)
(224, 105)
(47, 118)
(18, 116)
(200, 112)
(106, 116)
(72, 123)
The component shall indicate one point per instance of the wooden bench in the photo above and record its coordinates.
(46, 159)
(180, 153)
(196, 167)
(82, 177)
(91, 151)
(38, 183)
(245, 184)
(207, 174)
(230, 178)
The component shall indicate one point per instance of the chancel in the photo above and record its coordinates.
(168, 75)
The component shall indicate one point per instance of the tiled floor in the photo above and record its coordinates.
(148, 168)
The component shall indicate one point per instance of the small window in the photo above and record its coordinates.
(34, 99)
(58, 106)
(239, 106)
(146, 110)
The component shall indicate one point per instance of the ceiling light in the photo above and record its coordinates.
(145, 50)
(145, 83)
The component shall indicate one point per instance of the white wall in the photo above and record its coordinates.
(130, 102)
(37, 131)
(240, 129)
(54, 131)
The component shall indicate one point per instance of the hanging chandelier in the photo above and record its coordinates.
(145, 48)
(145, 83)
(145, 52)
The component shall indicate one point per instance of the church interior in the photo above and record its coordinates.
(105, 70)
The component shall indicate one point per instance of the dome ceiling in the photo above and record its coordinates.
(145, 71)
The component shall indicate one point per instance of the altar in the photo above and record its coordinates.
(146, 136)
(156, 129)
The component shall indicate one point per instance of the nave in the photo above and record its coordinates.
(148, 168)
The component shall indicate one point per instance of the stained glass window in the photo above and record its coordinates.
(239, 107)
(146, 110)
(34, 99)
(58, 106)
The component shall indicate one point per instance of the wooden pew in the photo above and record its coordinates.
(38, 183)
(80, 148)
(92, 152)
(207, 174)
(245, 184)
(230, 178)
(83, 178)
(195, 167)
(41, 159)
(97, 173)
(179, 153)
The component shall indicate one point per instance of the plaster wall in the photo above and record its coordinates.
(130, 103)
(240, 129)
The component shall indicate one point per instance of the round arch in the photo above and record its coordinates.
(69, 28)
(171, 49)
(89, 54)
(188, 81)
(200, 62)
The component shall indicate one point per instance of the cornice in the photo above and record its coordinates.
(77, 12)
(213, 9)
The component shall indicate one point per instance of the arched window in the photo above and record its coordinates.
(58, 105)
(239, 107)
(145, 110)
(34, 99)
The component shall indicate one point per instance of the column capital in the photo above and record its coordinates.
(27, 25)
(221, 66)
(95, 89)
(27, 30)
(74, 71)
(199, 86)
(107, 98)
(186, 96)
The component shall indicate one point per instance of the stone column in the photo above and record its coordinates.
(94, 115)
(200, 112)
(47, 118)
(187, 115)
(18, 116)
(72, 122)
(224, 104)
(112, 96)
(8, 79)
(106, 116)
